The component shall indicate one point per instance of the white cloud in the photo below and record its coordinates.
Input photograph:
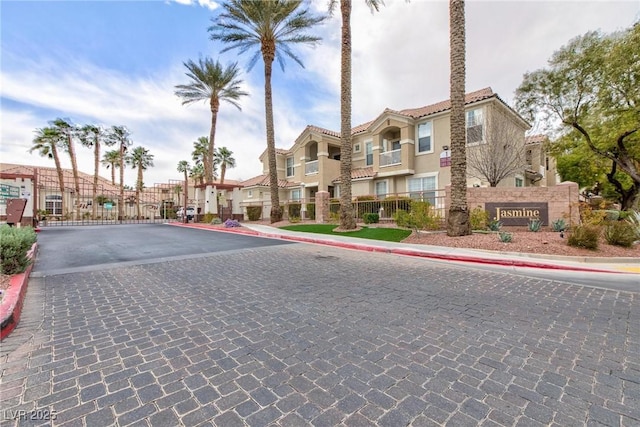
(209, 4)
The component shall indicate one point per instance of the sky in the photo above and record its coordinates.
(118, 62)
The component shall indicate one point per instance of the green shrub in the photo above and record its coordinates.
(216, 220)
(294, 219)
(620, 233)
(584, 236)
(610, 215)
(311, 211)
(16, 242)
(334, 206)
(421, 217)
(254, 213)
(208, 218)
(478, 218)
(371, 218)
(559, 225)
(494, 225)
(505, 237)
(534, 225)
(293, 209)
(403, 219)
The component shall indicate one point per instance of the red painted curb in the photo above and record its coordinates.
(11, 305)
(408, 252)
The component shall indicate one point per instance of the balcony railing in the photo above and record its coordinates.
(311, 167)
(391, 158)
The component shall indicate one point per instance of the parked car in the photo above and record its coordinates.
(191, 213)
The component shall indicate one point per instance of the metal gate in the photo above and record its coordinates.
(81, 202)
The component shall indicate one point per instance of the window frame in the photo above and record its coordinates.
(431, 195)
(287, 167)
(474, 113)
(368, 146)
(431, 139)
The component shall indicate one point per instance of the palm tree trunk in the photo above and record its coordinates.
(121, 201)
(208, 167)
(113, 173)
(347, 220)
(56, 159)
(76, 178)
(458, 218)
(186, 192)
(96, 170)
(276, 212)
(139, 189)
(223, 170)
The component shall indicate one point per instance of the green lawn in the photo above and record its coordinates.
(386, 234)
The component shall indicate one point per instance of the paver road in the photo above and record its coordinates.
(301, 334)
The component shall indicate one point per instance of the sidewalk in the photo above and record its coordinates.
(586, 264)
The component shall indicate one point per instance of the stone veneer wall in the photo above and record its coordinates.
(562, 199)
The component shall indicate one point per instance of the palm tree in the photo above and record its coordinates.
(119, 135)
(197, 173)
(183, 166)
(347, 219)
(111, 159)
(458, 218)
(91, 136)
(271, 28)
(69, 132)
(201, 151)
(46, 144)
(212, 82)
(140, 159)
(224, 158)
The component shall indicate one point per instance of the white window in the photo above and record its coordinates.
(368, 148)
(423, 188)
(289, 166)
(296, 194)
(474, 126)
(425, 138)
(381, 189)
(53, 204)
(250, 194)
(356, 148)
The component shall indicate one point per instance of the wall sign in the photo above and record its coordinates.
(512, 213)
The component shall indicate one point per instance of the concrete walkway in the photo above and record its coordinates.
(511, 259)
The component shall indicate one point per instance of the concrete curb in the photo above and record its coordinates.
(11, 305)
(411, 252)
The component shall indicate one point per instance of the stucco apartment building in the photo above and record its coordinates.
(403, 153)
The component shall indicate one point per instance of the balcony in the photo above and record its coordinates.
(391, 158)
(311, 167)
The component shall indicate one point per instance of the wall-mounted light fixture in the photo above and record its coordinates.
(445, 148)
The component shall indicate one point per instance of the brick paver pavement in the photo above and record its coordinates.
(306, 335)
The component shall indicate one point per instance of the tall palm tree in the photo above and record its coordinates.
(91, 136)
(139, 158)
(120, 136)
(46, 143)
(347, 218)
(111, 159)
(458, 219)
(201, 151)
(183, 166)
(224, 158)
(212, 82)
(271, 28)
(70, 131)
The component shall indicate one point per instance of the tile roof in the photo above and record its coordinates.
(263, 181)
(469, 98)
(535, 139)
(360, 173)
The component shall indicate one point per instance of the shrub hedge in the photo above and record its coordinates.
(16, 242)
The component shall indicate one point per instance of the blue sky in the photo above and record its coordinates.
(117, 62)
